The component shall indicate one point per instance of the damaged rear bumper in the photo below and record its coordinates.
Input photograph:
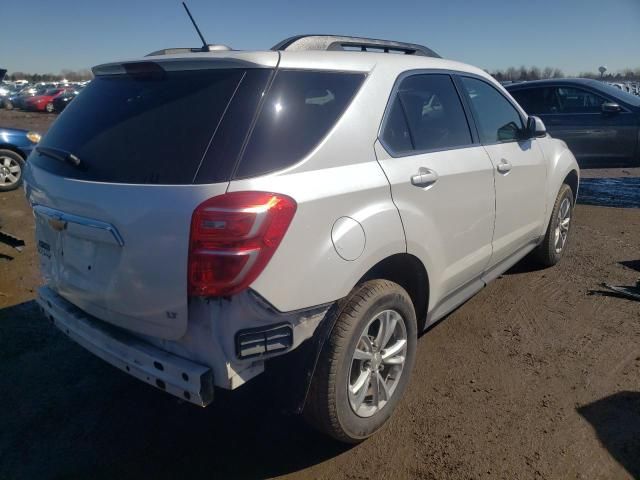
(180, 377)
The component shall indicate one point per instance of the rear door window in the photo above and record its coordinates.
(433, 112)
(299, 110)
(537, 101)
(150, 126)
(395, 135)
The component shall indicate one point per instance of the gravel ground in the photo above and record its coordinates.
(610, 172)
(537, 376)
(36, 121)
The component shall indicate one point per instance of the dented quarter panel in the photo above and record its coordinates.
(210, 336)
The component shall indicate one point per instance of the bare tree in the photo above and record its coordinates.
(534, 73)
(71, 75)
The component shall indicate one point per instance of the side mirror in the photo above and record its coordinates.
(611, 107)
(536, 127)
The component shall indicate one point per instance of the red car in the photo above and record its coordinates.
(44, 102)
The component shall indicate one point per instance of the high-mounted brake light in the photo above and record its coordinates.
(233, 237)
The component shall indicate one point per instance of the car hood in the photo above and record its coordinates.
(12, 131)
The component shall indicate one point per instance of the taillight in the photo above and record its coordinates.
(233, 237)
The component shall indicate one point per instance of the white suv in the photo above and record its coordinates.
(203, 216)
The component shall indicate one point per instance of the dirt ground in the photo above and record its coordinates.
(538, 376)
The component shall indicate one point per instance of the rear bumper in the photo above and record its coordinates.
(173, 374)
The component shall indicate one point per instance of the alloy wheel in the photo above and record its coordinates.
(10, 171)
(377, 363)
(562, 228)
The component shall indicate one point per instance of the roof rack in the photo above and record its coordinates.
(338, 42)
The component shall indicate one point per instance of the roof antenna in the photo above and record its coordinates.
(205, 46)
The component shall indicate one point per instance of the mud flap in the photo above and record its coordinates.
(292, 373)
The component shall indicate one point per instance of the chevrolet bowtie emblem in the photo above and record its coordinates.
(57, 224)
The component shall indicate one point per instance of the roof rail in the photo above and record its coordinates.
(179, 50)
(338, 42)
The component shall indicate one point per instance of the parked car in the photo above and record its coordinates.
(15, 147)
(599, 122)
(44, 101)
(312, 209)
(17, 100)
(8, 92)
(61, 101)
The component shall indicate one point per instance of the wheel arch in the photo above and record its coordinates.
(405, 269)
(14, 149)
(573, 181)
(409, 272)
(563, 169)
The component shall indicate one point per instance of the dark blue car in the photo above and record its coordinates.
(600, 123)
(15, 147)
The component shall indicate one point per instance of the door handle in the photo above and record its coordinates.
(424, 178)
(504, 166)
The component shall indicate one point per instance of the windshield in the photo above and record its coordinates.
(622, 95)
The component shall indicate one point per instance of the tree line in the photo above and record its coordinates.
(512, 74)
(71, 75)
(523, 73)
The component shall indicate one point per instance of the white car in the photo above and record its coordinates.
(316, 205)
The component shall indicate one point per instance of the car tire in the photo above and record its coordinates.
(49, 108)
(332, 403)
(10, 164)
(550, 251)
(8, 105)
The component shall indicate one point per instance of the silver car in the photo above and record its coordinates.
(202, 217)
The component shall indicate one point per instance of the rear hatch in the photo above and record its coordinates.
(117, 177)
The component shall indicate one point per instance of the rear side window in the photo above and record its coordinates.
(297, 113)
(497, 119)
(152, 127)
(430, 107)
(537, 101)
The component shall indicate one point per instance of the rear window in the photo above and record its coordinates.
(298, 112)
(200, 126)
(427, 114)
(138, 128)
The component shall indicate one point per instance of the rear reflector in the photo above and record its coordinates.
(233, 237)
(255, 342)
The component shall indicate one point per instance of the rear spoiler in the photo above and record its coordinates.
(193, 61)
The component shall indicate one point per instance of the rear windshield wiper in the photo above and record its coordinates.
(60, 155)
